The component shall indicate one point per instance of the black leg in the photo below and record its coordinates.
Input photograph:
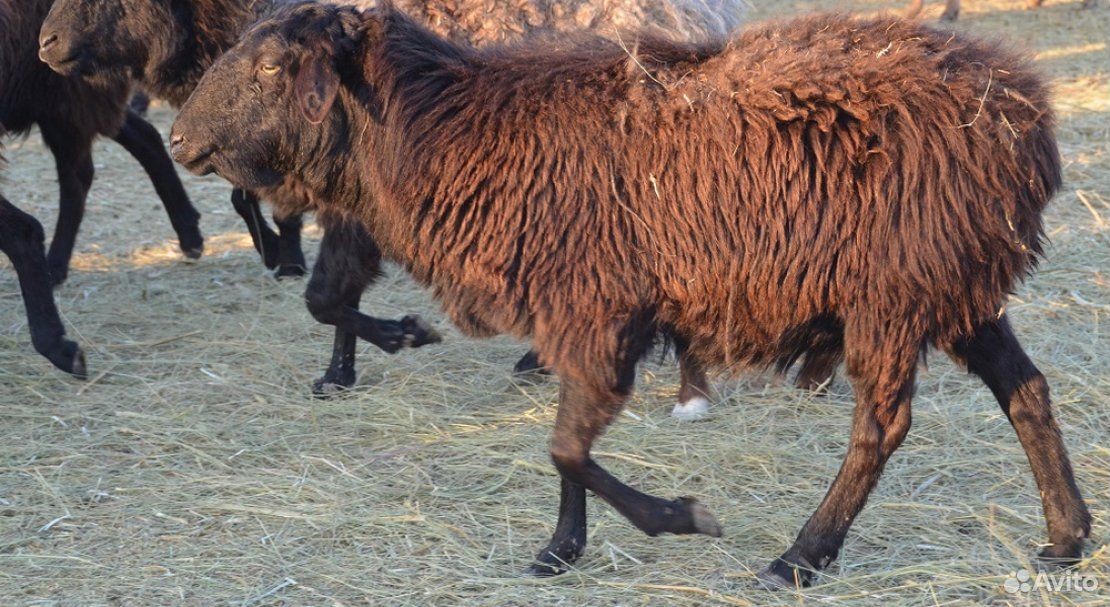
(143, 142)
(290, 256)
(569, 540)
(994, 354)
(583, 413)
(21, 239)
(265, 240)
(73, 157)
(883, 382)
(349, 261)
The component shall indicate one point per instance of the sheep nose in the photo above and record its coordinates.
(47, 41)
(177, 141)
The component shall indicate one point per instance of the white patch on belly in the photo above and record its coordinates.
(695, 408)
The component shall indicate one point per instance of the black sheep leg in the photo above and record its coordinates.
(349, 261)
(883, 378)
(21, 239)
(584, 412)
(73, 156)
(265, 240)
(142, 141)
(994, 354)
(290, 258)
(569, 540)
(281, 253)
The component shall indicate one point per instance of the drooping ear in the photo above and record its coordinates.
(316, 86)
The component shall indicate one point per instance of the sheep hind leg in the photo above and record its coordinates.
(693, 394)
(819, 365)
(994, 354)
(884, 388)
(530, 367)
(143, 142)
(21, 239)
(582, 415)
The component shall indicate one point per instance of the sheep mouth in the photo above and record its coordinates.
(66, 66)
(200, 164)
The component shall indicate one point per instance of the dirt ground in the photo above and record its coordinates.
(194, 468)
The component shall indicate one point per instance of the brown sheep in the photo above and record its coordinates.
(809, 181)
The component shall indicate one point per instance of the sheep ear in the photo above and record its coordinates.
(316, 87)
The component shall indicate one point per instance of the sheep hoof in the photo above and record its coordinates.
(68, 357)
(529, 368)
(417, 332)
(79, 367)
(289, 270)
(701, 518)
(326, 387)
(543, 568)
(692, 409)
(950, 16)
(1060, 556)
(781, 574)
(191, 243)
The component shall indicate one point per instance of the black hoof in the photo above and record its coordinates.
(333, 382)
(950, 16)
(290, 271)
(556, 560)
(191, 243)
(417, 332)
(781, 574)
(69, 357)
(539, 569)
(324, 388)
(530, 367)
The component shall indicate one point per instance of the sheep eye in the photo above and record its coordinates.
(270, 69)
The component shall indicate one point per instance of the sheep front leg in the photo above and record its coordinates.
(143, 142)
(265, 240)
(569, 539)
(349, 261)
(290, 258)
(73, 156)
(583, 414)
(21, 239)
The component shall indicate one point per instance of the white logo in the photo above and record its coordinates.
(1068, 581)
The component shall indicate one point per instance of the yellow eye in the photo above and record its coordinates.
(270, 69)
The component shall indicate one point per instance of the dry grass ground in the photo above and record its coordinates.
(195, 469)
